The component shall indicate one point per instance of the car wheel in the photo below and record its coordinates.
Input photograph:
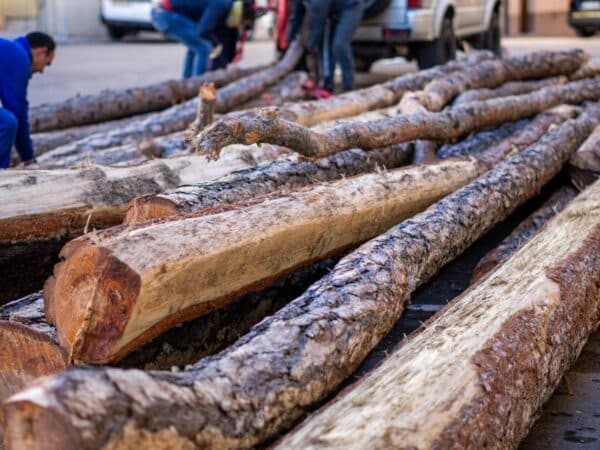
(117, 33)
(492, 35)
(584, 32)
(440, 50)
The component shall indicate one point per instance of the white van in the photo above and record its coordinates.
(123, 17)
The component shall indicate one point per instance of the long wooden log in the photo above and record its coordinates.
(477, 375)
(523, 233)
(266, 380)
(114, 104)
(30, 346)
(283, 175)
(235, 251)
(43, 209)
(508, 89)
(178, 117)
(449, 124)
(480, 140)
(585, 164)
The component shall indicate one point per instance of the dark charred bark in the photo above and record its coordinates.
(260, 385)
(523, 233)
(114, 104)
(278, 176)
(449, 124)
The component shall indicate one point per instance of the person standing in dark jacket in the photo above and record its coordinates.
(19, 60)
(196, 24)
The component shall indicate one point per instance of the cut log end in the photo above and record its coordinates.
(87, 274)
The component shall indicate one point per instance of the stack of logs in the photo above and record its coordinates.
(233, 297)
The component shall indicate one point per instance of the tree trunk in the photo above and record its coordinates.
(449, 124)
(480, 140)
(115, 104)
(42, 209)
(477, 375)
(523, 233)
(265, 381)
(508, 89)
(282, 176)
(235, 251)
(30, 346)
(585, 164)
(178, 117)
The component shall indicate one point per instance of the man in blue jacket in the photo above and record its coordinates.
(19, 60)
(195, 23)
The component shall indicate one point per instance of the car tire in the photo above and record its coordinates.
(585, 32)
(440, 50)
(117, 33)
(491, 39)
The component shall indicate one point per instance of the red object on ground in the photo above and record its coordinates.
(315, 92)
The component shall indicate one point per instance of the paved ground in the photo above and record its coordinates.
(87, 68)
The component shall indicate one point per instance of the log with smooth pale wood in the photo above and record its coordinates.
(178, 117)
(477, 375)
(41, 209)
(115, 104)
(523, 233)
(283, 175)
(30, 346)
(446, 125)
(584, 166)
(117, 289)
(262, 384)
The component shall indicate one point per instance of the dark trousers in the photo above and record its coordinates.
(8, 133)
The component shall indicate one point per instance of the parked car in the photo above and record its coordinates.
(427, 30)
(122, 17)
(584, 16)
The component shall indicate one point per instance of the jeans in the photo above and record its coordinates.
(8, 133)
(184, 30)
(343, 24)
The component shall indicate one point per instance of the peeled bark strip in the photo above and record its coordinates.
(477, 375)
(114, 104)
(178, 117)
(283, 175)
(42, 209)
(264, 382)
(30, 346)
(585, 164)
(523, 233)
(508, 89)
(213, 259)
(480, 140)
(449, 124)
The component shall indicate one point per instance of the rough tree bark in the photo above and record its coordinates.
(178, 117)
(523, 233)
(585, 164)
(449, 124)
(114, 104)
(508, 89)
(234, 252)
(477, 375)
(283, 175)
(30, 346)
(265, 381)
(42, 209)
(206, 110)
(480, 140)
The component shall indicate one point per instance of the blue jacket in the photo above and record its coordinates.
(15, 72)
(210, 14)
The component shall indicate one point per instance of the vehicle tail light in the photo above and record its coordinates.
(415, 3)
